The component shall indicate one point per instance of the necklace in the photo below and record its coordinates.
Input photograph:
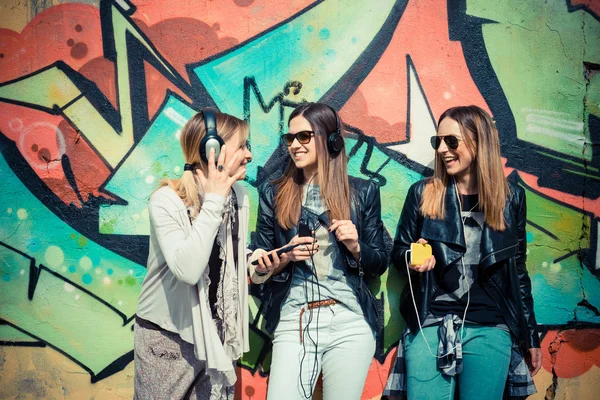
(464, 217)
(474, 207)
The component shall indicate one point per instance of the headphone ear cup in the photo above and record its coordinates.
(335, 143)
(335, 140)
(208, 143)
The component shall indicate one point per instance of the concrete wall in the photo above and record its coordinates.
(94, 93)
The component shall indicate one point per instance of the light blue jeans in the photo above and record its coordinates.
(486, 358)
(345, 350)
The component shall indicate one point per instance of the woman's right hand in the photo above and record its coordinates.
(299, 253)
(428, 265)
(218, 180)
(266, 265)
(308, 247)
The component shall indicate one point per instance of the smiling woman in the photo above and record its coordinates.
(192, 315)
(317, 290)
(471, 302)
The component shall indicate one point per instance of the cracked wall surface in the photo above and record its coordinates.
(94, 93)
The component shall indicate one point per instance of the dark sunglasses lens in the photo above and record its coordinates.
(289, 138)
(303, 137)
(451, 141)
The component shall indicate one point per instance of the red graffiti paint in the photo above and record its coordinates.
(571, 352)
(591, 205)
(66, 32)
(42, 139)
(592, 5)
(184, 33)
(379, 106)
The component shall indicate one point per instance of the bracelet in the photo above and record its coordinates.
(261, 273)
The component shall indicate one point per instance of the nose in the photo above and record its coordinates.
(295, 144)
(443, 148)
(248, 155)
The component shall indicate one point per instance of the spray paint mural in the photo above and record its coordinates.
(94, 94)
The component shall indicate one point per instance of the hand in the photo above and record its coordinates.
(218, 180)
(534, 361)
(265, 265)
(345, 232)
(428, 265)
(308, 247)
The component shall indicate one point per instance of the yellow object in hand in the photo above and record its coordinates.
(419, 253)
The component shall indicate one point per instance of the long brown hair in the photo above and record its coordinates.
(333, 172)
(481, 138)
(187, 186)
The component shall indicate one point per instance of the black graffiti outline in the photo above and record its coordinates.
(468, 30)
(576, 7)
(34, 274)
(337, 99)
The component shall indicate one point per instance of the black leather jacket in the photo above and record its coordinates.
(503, 273)
(365, 214)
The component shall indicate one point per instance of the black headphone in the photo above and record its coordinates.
(211, 139)
(335, 140)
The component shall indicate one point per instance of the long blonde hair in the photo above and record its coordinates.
(481, 138)
(332, 171)
(187, 186)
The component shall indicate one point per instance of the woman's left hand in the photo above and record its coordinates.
(345, 232)
(535, 362)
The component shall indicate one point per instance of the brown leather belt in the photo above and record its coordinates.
(313, 305)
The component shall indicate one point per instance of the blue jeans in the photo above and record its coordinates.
(345, 350)
(486, 358)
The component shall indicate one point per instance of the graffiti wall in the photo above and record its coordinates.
(93, 95)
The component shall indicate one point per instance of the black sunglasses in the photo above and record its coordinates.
(451, 141)
(303, 137)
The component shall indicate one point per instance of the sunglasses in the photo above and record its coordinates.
(451, 141)
(302, 137)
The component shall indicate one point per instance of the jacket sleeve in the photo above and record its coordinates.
(265, 221)
(521, 261)
(373, 254)
(407, 231)
(265, 234)
(186, 257)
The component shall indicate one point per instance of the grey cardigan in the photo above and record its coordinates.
(175, 290)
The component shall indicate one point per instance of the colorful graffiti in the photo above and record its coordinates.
(94, 94)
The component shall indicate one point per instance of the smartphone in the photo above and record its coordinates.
(303, 229)
(419, 253)
(279, 252)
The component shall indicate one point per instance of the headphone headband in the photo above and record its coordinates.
(211, 139)
(210, 121)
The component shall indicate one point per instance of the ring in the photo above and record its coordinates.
(303, 248)
(220, 167)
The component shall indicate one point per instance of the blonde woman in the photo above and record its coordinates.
(468, 307)
(192, 316)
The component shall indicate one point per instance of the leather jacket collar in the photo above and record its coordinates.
(496, 246)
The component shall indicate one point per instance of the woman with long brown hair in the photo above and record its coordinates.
(315, 300)
(468, 307)
(192, 316)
